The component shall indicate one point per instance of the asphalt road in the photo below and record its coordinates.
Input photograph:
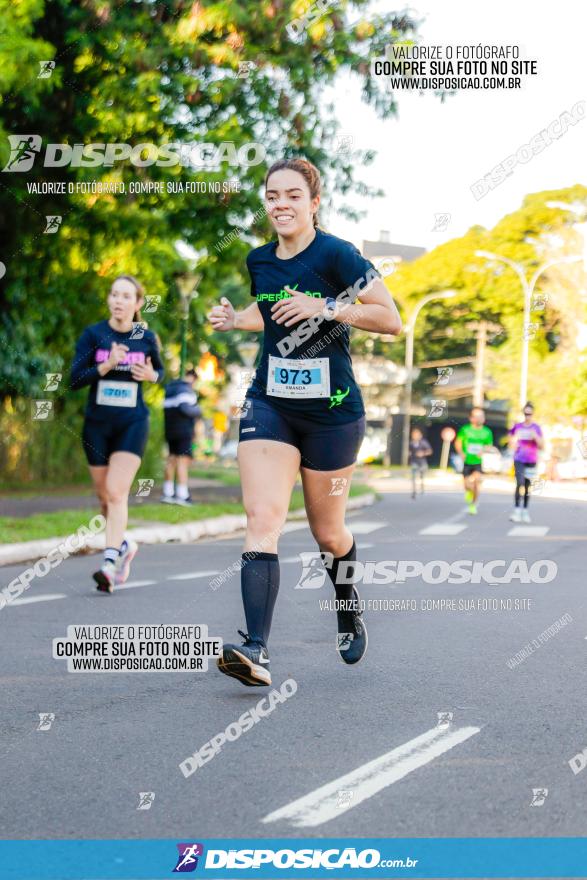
(116, 735)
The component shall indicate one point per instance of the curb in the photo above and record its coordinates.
(27, 551)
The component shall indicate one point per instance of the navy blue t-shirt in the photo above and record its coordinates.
(328, 267)
(115, 397)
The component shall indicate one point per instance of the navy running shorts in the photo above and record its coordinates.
(180, 445)
(322, 447)
(101, 439)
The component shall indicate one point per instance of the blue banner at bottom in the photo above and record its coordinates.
(225, 859)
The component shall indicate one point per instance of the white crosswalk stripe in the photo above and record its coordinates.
(191, 575)
(443, 528)
(366, 526)
(528, 531)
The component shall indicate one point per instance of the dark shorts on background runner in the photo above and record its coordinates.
(101, 439)
(180, 446)
(322, 447)
(520, 469)
(469, 469)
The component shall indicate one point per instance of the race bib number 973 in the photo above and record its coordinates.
(298, 378)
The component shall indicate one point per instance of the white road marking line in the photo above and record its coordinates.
(294, 527)
(189, 575)
(321, 805)
(298, 558)
(129, 585)
(366, 526)
(443, 528)
(528, 531)
(458, 516)
(28, 600)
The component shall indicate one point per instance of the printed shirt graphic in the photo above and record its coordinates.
(326, 268)
(473, 440)
(526, 449)
(92, 349)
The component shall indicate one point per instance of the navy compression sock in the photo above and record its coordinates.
(259, 588)
(343, 590)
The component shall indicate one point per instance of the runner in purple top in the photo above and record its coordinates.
(525, 439)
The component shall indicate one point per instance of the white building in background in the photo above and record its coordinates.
(385, 252)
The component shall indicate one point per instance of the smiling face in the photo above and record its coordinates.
(123, 300)
(289, 203)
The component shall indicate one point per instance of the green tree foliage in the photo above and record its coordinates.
(531, 236)
(147, 72)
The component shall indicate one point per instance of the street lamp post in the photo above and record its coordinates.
(528, 288)
(187, 285)
(409, 365)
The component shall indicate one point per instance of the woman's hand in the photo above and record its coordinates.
(299, 307)
(222, 317)
(144, 372)
(116, 356)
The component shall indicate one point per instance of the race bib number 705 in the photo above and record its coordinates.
(113, 393)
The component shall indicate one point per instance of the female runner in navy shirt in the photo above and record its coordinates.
(113, 357)
(304, 408)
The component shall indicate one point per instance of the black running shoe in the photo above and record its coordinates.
(351, 641)
(105, 577)
(248, 662)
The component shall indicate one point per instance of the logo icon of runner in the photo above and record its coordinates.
(146, 799)
(46, 69)
(24, 149)
(53, 222)
(187, 860)
(344, 641)
(337, 398)
(314, 565)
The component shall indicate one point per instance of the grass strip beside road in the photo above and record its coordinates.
(65, 522)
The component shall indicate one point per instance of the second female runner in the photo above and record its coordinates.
(114, 357)
(304, 408)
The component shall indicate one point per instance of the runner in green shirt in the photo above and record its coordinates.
(472, 441)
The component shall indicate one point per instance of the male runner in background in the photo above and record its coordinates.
(181, 411)
(419, 450)
(472, 441)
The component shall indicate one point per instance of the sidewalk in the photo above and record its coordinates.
(157, 533)
(202, 490)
